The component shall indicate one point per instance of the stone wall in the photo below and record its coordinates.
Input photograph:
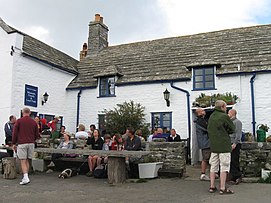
(172, 154)
(253, 158)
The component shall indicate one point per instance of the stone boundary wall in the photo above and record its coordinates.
(172, 154)
(253, 157)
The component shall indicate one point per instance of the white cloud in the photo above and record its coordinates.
(195, 16)
(39, 33)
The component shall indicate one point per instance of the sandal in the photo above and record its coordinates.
(89, 174)
(212, 189)
(226, 191)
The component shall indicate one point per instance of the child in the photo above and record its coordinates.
(106, 146)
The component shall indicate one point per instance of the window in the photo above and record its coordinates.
(101, 123)
(162, 120)
(51, 117)
(107, 86)
(32, 115)
(203, 78)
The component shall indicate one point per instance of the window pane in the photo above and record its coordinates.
(103, 92)
(209, 85)
(209, 78)
(198, 78)
(156, 120)
(111, 86)
(103, 87)
(166, 116)
(101, 121)
(198, 71)
(199, 85)
(209, 71)
(103, 81)
(166, 124)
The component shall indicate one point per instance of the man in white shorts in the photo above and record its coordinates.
(219, 128)
(23, 138)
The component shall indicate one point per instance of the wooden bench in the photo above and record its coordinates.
(116, 160)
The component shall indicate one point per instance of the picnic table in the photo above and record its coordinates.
(116, 160)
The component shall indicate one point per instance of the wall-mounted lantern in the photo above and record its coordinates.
(45, 98)
(166, 97)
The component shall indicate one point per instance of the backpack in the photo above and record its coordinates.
(100, 171)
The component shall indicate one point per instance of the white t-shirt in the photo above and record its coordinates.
(81, 134)
(150, 138)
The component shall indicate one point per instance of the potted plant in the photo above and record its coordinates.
(261, 132)
(149, 168)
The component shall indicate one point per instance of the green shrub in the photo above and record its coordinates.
(127, 114)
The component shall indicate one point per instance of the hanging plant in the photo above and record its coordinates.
(204, 100)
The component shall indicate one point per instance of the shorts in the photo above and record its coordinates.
(220, 159)
(25, 151)
(206, 153)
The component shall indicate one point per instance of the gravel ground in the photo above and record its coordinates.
(49, 188)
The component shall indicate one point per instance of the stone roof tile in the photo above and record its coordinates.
(170, 58)
(43, 52)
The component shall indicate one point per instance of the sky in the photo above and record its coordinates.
(63, 24)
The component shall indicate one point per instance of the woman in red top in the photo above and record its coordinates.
(118, 143)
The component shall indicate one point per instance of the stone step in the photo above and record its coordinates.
(250, 179)
(170, 173)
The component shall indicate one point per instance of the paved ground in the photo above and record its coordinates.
(48, 188)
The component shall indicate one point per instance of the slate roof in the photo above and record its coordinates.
(43, 52)
(171, 58)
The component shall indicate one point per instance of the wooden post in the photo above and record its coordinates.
(9, 167)
(116, 170)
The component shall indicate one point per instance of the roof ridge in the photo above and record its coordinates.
(189, 35)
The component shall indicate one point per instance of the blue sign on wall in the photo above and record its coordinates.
(31, 96)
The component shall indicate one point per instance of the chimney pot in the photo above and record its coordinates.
(97, 17)
(84, 51)
(85, 46)
(101, 19)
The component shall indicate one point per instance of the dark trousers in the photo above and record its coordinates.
(56, 156)
(235, 172)
(8, 141)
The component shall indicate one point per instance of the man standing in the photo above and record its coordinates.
(24, 135)
(174, 137)
(203, 141)
(235, 173)
(8, 132)
(219, 128)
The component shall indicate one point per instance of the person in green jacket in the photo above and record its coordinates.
(219, 128)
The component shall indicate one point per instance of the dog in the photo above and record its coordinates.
(67, 173)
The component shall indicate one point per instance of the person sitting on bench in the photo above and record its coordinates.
(106, 146)
(96, 143)
(65, 144)
(117, 143)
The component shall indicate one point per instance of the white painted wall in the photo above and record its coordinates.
(6, 69)
(151, 96)
(47, 79)
(25, 70)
